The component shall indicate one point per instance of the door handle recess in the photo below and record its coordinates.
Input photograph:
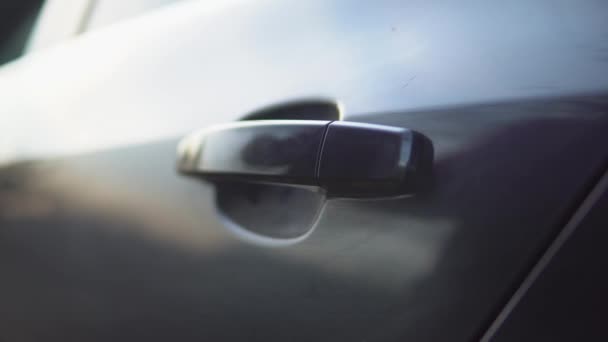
(346, 159)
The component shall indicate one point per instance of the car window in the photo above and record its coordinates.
(16, 20)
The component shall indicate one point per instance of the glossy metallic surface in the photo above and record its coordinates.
(347, 159)
(269, 150)
(115, 245)
(90, 243)
(568, 299)
(200, 63)
(268, 215)
(363, 160)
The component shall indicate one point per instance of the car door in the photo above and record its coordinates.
(102, 238)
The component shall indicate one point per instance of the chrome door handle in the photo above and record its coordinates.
(346, 159)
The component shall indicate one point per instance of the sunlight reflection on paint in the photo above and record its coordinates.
(185, 67)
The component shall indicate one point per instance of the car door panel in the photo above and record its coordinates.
(115, 244)
(193, 64)
(118, 236)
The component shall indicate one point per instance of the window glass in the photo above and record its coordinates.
(16, 20)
